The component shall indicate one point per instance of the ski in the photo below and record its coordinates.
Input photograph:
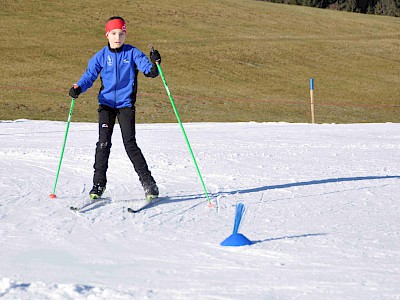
(101, 201)
(149, 202)
(89, 204)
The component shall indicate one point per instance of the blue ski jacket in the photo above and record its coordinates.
(118, 69)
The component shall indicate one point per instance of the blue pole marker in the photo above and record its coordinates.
(237, 239)
(312, 100)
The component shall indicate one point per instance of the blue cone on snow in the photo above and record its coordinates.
(237, 239)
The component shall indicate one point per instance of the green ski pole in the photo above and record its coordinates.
(53, 195)
(183, 129)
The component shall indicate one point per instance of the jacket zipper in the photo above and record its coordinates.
(117, 79)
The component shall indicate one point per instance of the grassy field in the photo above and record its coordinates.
(226, 60)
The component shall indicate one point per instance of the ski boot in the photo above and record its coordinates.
(151, 191)
(97, 191)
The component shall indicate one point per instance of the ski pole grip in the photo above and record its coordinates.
(151, 46)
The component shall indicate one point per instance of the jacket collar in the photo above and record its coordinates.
(115, 50)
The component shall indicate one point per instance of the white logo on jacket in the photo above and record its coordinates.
(109, 60)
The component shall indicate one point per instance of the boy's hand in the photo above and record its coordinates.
(155, 57)
(75, 91)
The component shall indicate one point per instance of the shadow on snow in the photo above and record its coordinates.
(289, 237)
(306, 183)
(180, 198)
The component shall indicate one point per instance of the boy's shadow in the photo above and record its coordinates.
(181, 198)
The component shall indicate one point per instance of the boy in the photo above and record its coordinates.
(118, 65)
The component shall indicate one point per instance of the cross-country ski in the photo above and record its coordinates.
(147, 203)
(90, 204)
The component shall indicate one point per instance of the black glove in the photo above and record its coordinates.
(75, 91)
(155, 56)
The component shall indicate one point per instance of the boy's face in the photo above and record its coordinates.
(116, 38)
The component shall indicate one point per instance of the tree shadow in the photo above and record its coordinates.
(289, 237)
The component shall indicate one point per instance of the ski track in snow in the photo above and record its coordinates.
(322, 210)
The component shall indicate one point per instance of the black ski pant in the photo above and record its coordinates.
(126, 120)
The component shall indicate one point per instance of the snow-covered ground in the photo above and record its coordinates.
(322, 210)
